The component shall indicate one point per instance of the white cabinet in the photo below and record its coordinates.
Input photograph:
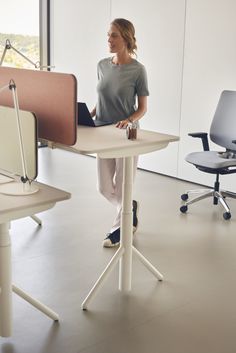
(209, 68)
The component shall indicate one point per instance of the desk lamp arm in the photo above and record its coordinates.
(12, 87)
(9, 46)
(3, 55)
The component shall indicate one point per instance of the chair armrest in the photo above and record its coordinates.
(204, 137)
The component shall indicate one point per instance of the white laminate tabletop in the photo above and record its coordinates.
(13, 207)
(111, 142)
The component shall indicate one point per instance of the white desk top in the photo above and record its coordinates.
(13, 207)
(111, 142)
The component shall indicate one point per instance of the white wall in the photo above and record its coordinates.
(79, 32)
(188, 48)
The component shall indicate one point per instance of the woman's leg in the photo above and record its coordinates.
(106, 171)
(118, 181)
(118, 188)
(110, 180)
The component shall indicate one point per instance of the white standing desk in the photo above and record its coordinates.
(111, 142)
(14, 207)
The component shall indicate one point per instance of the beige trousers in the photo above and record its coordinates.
(110, 179)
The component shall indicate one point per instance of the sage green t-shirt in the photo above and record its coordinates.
(118, 87)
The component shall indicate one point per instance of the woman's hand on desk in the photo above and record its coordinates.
(122, 124)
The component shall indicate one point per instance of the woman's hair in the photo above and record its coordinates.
(127, 32)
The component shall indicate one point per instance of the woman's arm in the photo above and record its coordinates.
(138, 114)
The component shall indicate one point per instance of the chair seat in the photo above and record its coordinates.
(210, 160)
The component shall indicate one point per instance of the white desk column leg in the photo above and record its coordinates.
(125, 268)
(5, 282)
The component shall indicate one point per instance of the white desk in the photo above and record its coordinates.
(111, 142)
(14, 207)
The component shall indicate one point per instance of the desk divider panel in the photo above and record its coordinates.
(51, 96)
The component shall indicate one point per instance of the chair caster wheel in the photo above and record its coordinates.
(184, 197)
(184, 209)
(227, 215)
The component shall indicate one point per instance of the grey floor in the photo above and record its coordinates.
(192, 311)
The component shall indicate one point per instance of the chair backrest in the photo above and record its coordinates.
(223, 126)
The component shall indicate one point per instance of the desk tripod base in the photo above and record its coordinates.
(6, 287)
(126, 249)
(37, 304)
(125, 282)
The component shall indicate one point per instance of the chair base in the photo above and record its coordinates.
(218, 197)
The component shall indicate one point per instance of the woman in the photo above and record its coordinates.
(122, 97)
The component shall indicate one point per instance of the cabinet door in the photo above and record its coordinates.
(209, 68)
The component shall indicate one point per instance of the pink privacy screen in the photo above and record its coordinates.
(51, 96)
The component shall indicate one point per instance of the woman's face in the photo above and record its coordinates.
(115, 40)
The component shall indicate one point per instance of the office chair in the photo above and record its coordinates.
(223, 133)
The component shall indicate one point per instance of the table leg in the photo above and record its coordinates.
(125, 273)
(34, 302)
(124, 253)
(125, 265)
(5, 282)
(6, 286)
(148, 265)
(102, 277)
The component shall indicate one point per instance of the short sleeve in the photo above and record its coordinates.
(142, 82)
